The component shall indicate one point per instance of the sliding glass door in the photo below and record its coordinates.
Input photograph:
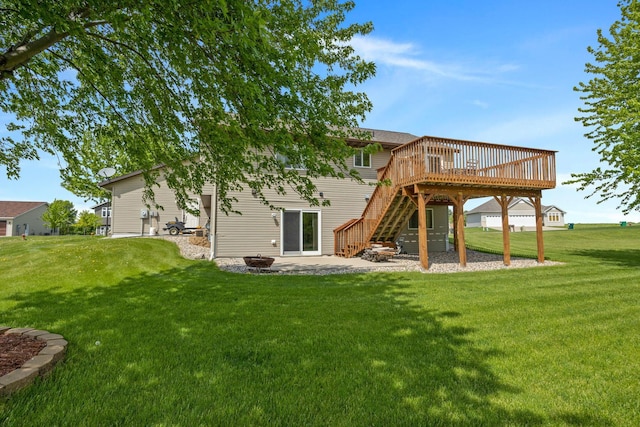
(301, 232)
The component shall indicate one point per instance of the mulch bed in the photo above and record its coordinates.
(16, 349)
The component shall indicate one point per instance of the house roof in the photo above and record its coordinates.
(386, 138)
(101, 205)
(492, 206)
(10, 209)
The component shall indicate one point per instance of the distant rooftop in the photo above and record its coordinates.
(9, 209)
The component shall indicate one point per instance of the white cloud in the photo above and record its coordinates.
(409, 56)
(481, 104)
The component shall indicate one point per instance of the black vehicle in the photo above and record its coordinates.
(177, 227)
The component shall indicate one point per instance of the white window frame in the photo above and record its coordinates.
(429, 215)
(282, 158)
(359, 157)
(301, 252)
(107, 211)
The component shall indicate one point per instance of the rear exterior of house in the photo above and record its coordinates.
(297, 229)
(18, 218)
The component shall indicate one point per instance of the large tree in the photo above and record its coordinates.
(211, 89)
(612, 111)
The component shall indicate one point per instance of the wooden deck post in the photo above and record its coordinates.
(459, 220)
(455, 227)
(422, 231)
(504, 202)
(537, 203)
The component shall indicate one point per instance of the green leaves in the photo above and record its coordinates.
(59, 216)
(87, 222)
(612, 111)
(211, 90)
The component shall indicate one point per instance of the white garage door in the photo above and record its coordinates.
(515, 220)
(523, 221)
(494, 221)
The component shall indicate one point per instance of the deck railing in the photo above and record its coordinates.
(441, 161)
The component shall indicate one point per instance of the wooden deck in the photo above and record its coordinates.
(443, 171)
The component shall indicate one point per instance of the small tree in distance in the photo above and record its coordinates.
(60, 216)
(87, 222)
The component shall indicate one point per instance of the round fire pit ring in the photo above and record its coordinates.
(259, 262)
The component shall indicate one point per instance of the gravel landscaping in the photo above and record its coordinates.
(440, 262)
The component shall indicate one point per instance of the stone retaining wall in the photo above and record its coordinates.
(39, 365)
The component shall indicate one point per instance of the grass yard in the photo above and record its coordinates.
(159, 340)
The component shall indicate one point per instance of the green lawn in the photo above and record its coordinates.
(182, 343)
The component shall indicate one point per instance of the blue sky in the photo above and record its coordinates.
(493, 71)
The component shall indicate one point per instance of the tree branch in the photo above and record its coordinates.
(17, 56)
(102, 95)
(150, 66)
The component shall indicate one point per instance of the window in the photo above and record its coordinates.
(413, 221)
(362, 160)
(106, 212)
(554, 217)
(288, 165)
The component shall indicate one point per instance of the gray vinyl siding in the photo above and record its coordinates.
(127, 204)
(252, 232)
(258, 229)
(33, 219)
(474, 220)
(378, 160)
(437, 237)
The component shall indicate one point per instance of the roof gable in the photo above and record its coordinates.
(10, 209)
(549, 208)
(492, 206)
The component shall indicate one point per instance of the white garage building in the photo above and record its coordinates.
(521, 214)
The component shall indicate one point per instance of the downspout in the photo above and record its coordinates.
(110, 212)
(213, 232)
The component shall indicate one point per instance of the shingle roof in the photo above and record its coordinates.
(386, 138)
(487, 207)
(14, 209)
(398, 138)
(492, 206)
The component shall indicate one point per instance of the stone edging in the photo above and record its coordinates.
(39, 365)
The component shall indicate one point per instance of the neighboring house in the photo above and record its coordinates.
(425, 173)
(103, 210)
(17, 218)
(521, 214)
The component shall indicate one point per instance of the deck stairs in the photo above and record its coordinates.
(444, 165)
(382, 221)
